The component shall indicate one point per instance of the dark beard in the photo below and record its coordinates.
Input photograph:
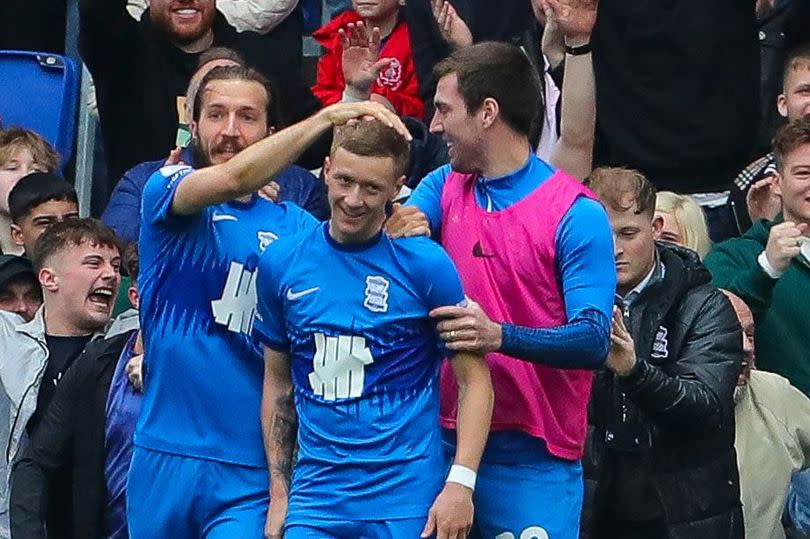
(163, 24)
(199, 155)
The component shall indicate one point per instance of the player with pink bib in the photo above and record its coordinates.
(535, 253)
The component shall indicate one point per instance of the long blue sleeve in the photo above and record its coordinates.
(585, 267)
(428, 197)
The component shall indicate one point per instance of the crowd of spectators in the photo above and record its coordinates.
(684, 127)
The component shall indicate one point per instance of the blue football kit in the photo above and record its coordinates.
(203, 370)
(364, 359)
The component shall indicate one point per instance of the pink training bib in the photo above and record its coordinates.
(507, 263)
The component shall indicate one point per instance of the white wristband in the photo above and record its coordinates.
(766, 266)
(462, 475)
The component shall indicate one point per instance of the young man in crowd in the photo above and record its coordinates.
(545, 299)
(19, 289)
(35, 203)
(660, 459)
(752, 193)
(77, 263)
(344, 317)
(293, 184)
(767, 267)
(21, 152)
(207, 227)
(87, 430)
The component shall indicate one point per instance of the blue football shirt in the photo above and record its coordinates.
(365, 360)
(203, 370)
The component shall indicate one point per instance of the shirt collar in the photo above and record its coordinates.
(656, 274)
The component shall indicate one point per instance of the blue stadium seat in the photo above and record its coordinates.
(40, 91)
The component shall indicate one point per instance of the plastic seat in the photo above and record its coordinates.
(40, 91)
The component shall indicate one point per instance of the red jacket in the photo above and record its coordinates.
(397, 83)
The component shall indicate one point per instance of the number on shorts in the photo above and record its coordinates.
(532, 532)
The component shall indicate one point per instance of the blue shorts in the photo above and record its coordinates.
(407, 528)
(190, 498)
(524, 492)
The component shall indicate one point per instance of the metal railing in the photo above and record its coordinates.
(86, 128)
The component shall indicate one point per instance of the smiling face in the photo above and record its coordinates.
(184, 21)
(359, 187)
(793, 184)
(459, 129)
(80, 282)
(232, 116)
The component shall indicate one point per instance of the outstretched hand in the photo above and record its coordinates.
(762, 200)
(361, 62)
(452, 27)
(343, 113)
(574, 19)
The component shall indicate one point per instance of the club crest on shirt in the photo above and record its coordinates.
(660, 345)
(376, 294)
(265, 239)
(391, 76)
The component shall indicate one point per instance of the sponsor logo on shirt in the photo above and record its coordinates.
(292, 296)
(236, 309)
(339, 366)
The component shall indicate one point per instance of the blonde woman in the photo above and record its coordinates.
(684, 222)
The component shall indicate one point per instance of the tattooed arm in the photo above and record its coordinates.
(280, 429)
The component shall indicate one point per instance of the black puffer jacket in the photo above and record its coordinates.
(679, 399)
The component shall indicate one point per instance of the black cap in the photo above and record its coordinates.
(11, 266)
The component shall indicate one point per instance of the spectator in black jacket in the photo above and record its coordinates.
(660, 458)
(87, 429)
(142, 68)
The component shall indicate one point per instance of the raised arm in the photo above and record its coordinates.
(247, 171)
(280, 428)
(574, 150)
